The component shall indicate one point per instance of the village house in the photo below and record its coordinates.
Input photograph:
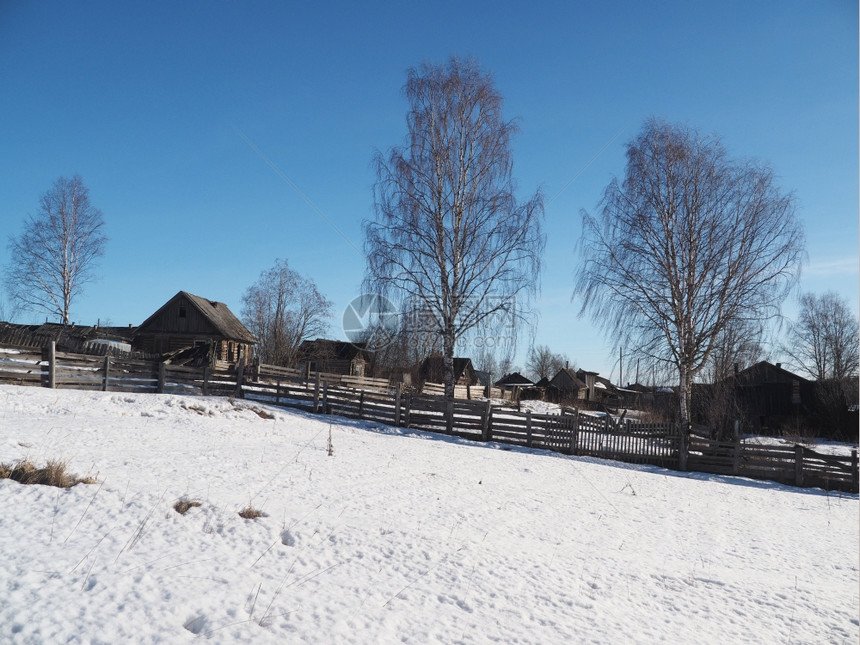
(334, 357)
(583, 386)
(186, 321)
(763, 398)
(568, 385)
(432, 370)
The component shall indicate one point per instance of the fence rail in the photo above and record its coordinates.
(797, 464)
(574, 433)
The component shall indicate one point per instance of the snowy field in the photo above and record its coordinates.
(397, 537)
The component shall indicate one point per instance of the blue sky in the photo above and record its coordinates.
(175, 113)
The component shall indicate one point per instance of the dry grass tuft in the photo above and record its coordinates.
(263, 414)
(54, 473)
(182, 506)
(250, 513)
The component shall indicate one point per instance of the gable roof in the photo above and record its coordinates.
(332, 350)
(599, 381)
(765, 372)
(217, 313)
(566, 379)
(433, 369)
(544, 382)
(513, 379)
(483, 377)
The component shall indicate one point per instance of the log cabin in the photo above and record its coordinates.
(187, 320)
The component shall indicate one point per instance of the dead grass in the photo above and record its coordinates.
(182, 506)
(54, 473)
(250, 513)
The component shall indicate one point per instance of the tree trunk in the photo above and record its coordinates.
(448, 363)
(684, 394)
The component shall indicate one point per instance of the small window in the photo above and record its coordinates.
(182, 312)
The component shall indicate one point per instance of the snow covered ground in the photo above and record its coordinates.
(398, 536)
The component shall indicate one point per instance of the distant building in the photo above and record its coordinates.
(568, 385)
(764, 398)
(432, 370)
(584, 386)
(187, 320)
(93, 339)
(335, 357)
(513, 380)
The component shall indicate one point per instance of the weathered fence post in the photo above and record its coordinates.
(397, 395)
(162, 369)
(205, 380)
(529, 428)
(361, 405)
(854, 473)
(798, 465)
(52, 365)
(736, 450)
(278, 391)
(107, 374)
(317, 393)
(326, 406)
(486, 423)
(574, 432)
(683, 443)
(240, 377)
(449, 417)
(407, 413)
(307, 372)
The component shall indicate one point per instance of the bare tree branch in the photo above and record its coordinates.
(449, 232)
(282, 309)
(823, 342)
(689, 244)
(55, 255)
(544, 363)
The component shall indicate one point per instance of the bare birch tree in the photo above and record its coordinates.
(688, 244)
(282, 309)
(542, 362)
(449, 232)
(823, 342)
(55, 256)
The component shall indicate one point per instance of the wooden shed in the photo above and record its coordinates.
(432, 370)
(335, 357)
(569, 385)
(187, 320)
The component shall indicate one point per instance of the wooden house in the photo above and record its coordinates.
(764, 398)
(187, 320)
(546, 391)
(513, 380)
(568, 385)
(432, 370)
(335, 357)
(584, 386)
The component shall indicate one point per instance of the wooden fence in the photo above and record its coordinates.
(466, 391)
(576, 433)
(796, 465)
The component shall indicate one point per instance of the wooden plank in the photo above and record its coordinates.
(31, 375)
